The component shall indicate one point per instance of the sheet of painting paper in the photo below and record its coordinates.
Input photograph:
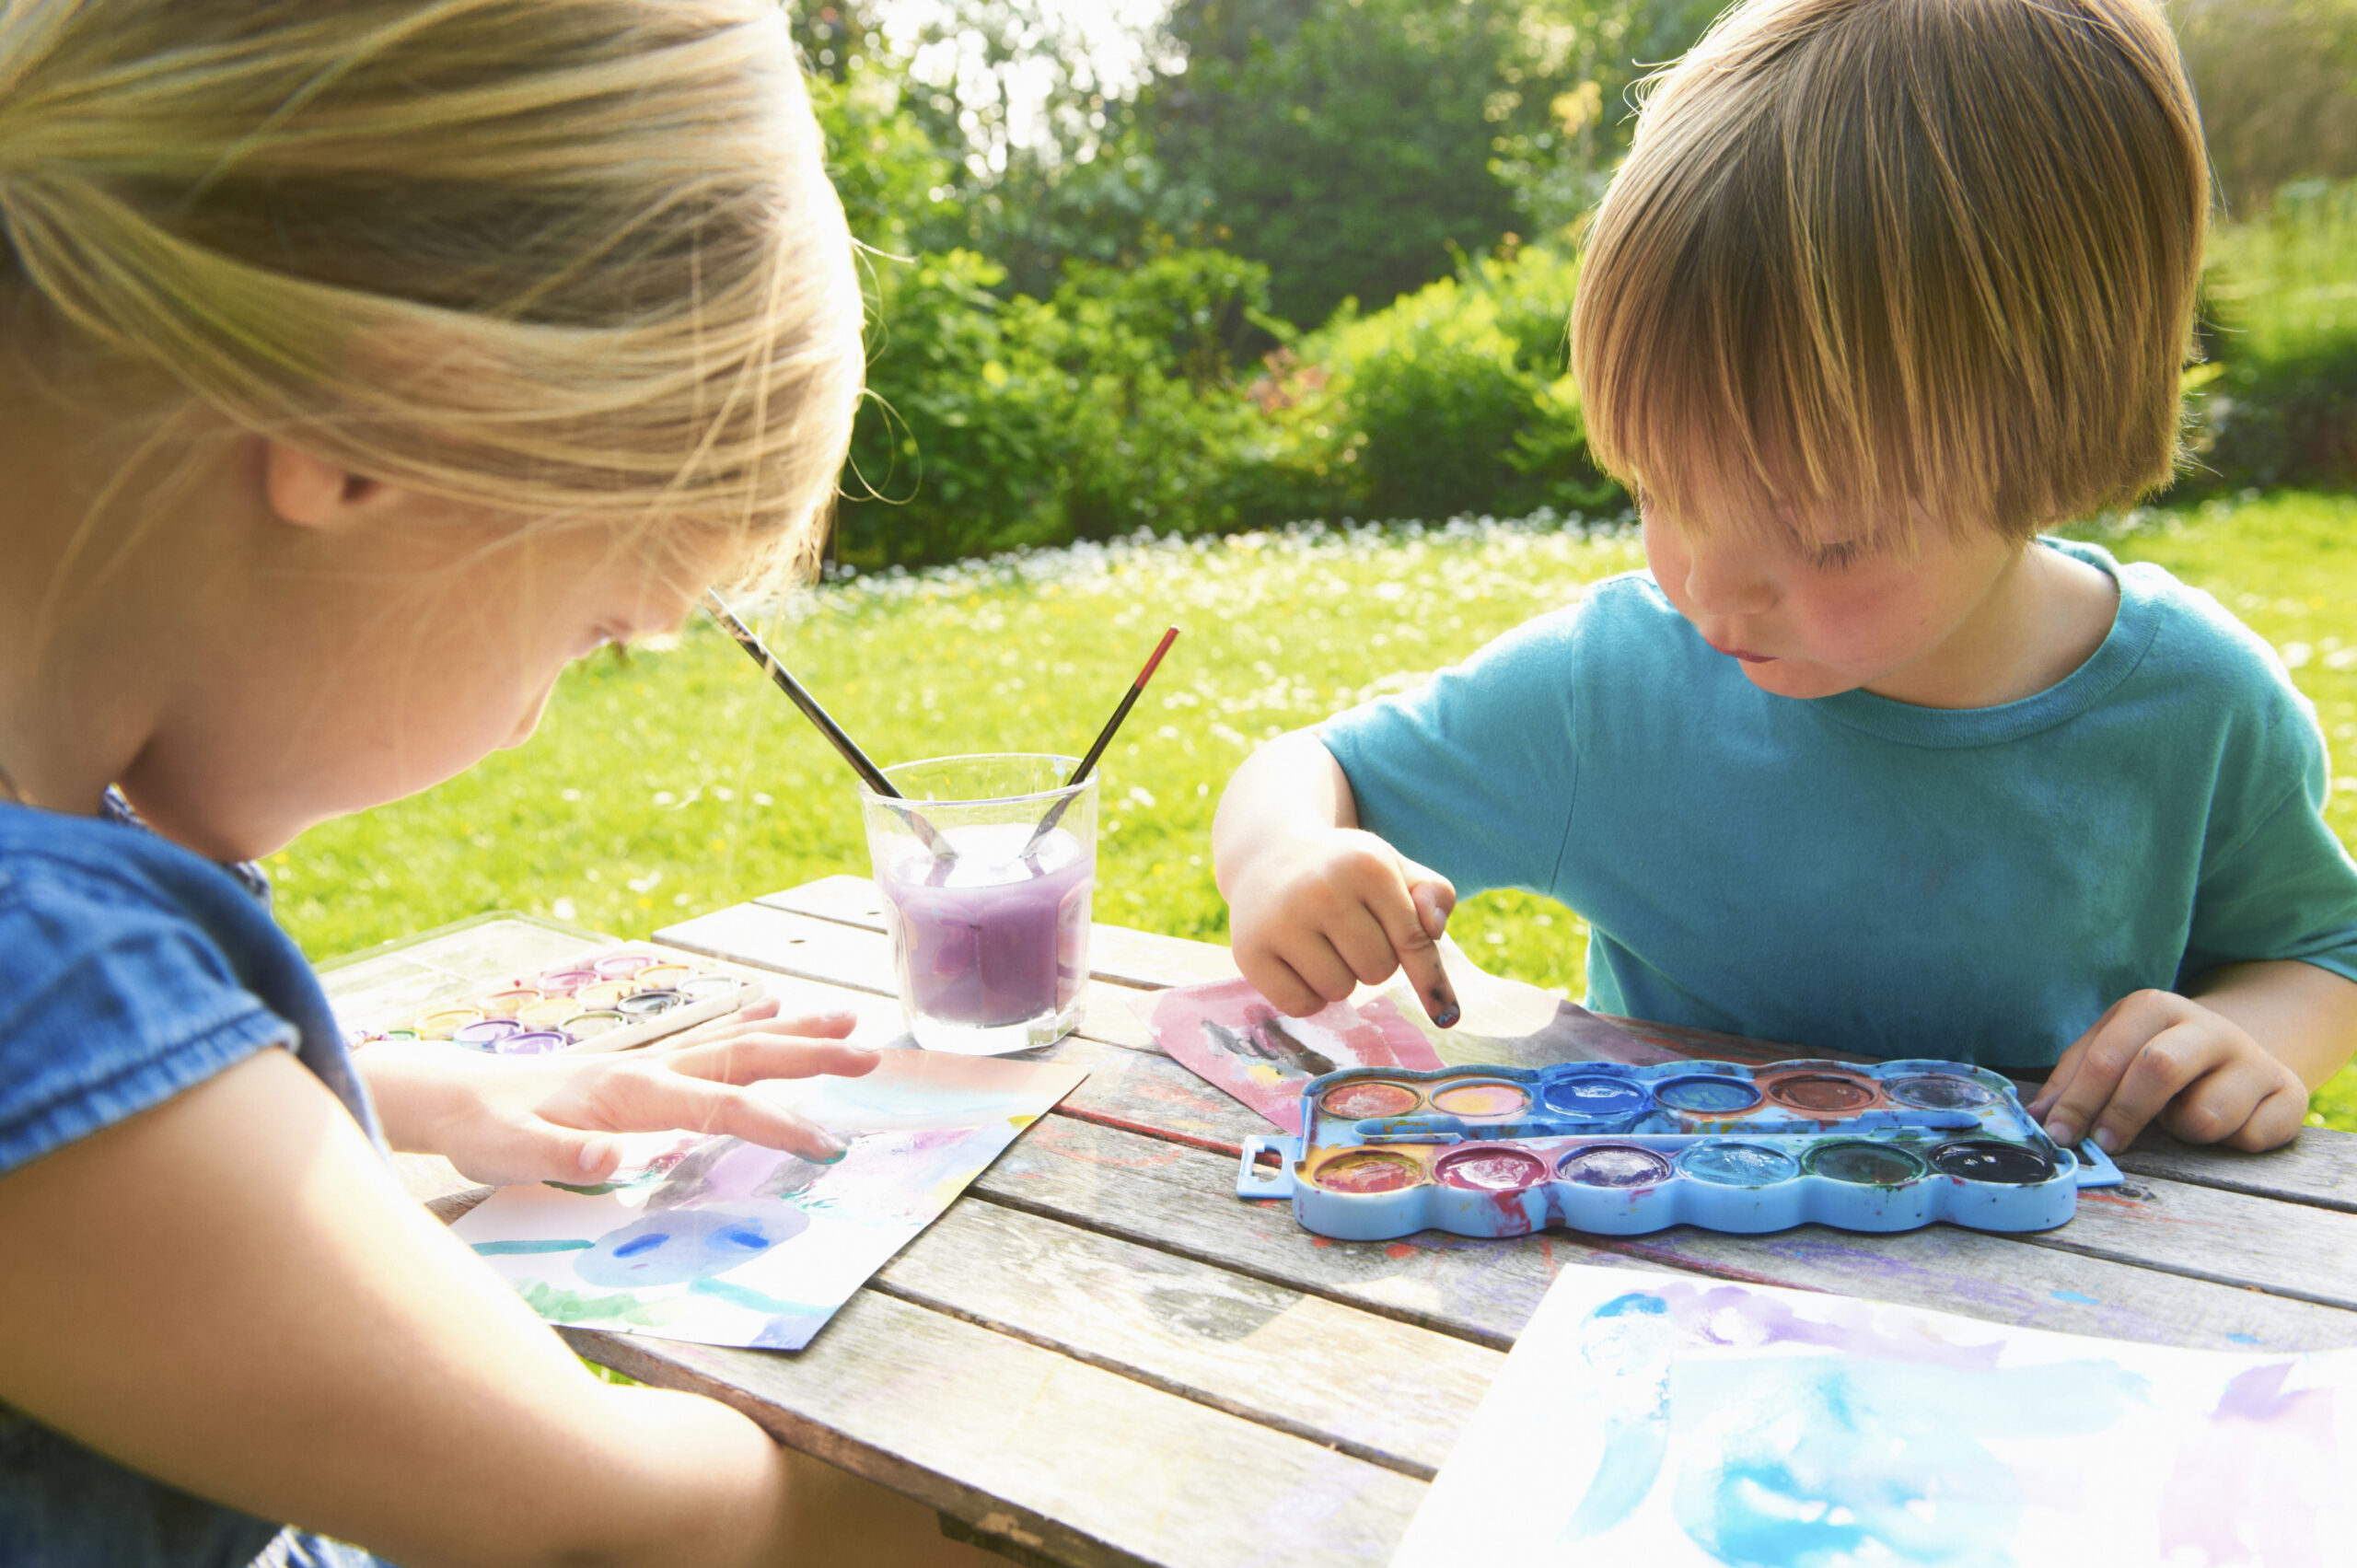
(1228, 1035)
(1684, 1421)
(726, 1243)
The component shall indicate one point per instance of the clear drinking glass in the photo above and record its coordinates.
(986, 866)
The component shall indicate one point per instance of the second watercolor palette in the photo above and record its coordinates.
(1618, 1150)
(607, 999)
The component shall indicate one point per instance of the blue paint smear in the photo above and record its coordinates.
(1823, 1461)
(509, 1248)
(1875, 1454)
(2246, 1339)
(751, 1299)
(2074, 1295)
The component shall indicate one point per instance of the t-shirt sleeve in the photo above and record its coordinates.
(2278, 884)
(112, 1007)
(1473, 772)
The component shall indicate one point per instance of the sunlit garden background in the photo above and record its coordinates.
(1100, 230)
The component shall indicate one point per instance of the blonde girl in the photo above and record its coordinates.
(367, 361)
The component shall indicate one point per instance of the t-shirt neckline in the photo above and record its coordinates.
(2133, 625)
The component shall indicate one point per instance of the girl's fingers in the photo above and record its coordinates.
(659, 1102)
(747, 1059)
(766, 1015)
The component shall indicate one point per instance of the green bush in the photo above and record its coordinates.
(1458, 398)
(2279, 402)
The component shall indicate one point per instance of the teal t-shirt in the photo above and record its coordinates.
(1856, 874)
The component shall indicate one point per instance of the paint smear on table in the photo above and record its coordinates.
(1230, 1035)
(724, 1242)
(1675, 1421)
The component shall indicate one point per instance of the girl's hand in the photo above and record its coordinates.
(2156, 1056)
(1317, 915)
(504, 1119)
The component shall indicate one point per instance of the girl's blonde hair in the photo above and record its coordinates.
(1875, 259)
(561, 258)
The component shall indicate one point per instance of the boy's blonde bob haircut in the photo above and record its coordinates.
(1872, 261)
(571, 260)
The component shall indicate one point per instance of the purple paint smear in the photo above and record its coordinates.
(2236, 1495)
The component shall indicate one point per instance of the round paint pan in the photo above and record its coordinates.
(622, 966)
(662, 976)
(534, 1042)
(1480, 1099)
(1940, 1091)
(1738, 1165)
(1987, 1159)
(1367, 1099)
(484, 1034)
(505, 1004)
(589, 1026)
(1599, 1095)
(1613, 1165)
(1492, 1167)
(565, 981)
(438, 1024)
(605, 993)
(1862, 1164)
(398, 1034)
(1823, 1094)
(646, 1004)
(1369, 1170)
(704, 987)
(548, 1013)
(1707, 1094)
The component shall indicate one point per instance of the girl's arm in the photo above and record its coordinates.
(2232, 1063)
(1317, 905)
(229, 1292)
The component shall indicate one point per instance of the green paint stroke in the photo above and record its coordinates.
(511, 1249)
(555, 1305)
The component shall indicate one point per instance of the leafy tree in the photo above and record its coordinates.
(1361, 147)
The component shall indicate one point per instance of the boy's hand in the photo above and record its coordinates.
(2157, 1055)
(503, 1119)
(1323, 912)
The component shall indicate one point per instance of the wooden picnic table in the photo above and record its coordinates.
(1102, 1355)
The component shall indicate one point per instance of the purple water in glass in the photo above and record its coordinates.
(993, 939)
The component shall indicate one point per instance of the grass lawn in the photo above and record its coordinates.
(680, 781)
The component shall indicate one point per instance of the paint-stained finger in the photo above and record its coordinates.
(1432, 898)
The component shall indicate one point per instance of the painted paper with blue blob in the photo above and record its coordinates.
(721, 1241)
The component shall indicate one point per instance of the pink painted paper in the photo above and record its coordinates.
(1231, 1037)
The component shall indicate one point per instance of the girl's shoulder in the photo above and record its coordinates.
(136, 970)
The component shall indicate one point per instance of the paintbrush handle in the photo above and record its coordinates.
(1104, 739)
(861, 763)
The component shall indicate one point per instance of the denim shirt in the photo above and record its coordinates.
(133, 971)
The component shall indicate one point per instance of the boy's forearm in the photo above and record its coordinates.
(2303, 1015)
(1289, 787)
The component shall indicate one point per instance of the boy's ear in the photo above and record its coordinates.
(312, 492)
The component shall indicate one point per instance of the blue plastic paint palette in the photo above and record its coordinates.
(1619, 1150)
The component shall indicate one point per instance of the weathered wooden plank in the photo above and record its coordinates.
(1115, 952)
(2320, 1168)
(1022, 1443)
(1364, 1383)
(1182, 1200)
(2209, 1233)
(764, 937)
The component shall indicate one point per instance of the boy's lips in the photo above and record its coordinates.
(1746, 655)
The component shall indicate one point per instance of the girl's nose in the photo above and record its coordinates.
(1722, 579)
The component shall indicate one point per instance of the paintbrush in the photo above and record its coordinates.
(1104, 739)
(861, 763)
